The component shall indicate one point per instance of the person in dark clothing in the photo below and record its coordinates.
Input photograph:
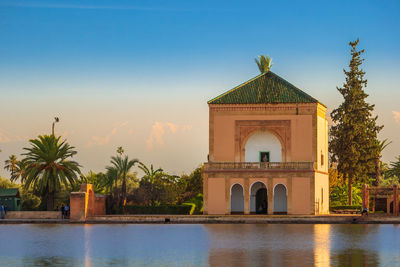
(364, 212)
(62, 211)
(66, 211)
(5, 209)
(2, 211)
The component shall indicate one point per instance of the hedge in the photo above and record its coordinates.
(345, 207)
(161, 209)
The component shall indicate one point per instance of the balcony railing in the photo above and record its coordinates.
(259, 165)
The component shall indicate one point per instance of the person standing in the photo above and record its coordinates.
(5, 209)
(2, 211)
(66, 209)
(62, 211)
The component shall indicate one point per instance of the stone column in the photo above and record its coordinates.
(289, 195)
(246, 196)
(227, 197)
(270, 196)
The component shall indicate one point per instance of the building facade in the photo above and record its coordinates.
(268, 151)
(11, 198)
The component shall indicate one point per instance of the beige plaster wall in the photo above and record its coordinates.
(322, 192)
(223, 139)
(322, 137)
(301, 196)
(216, 196)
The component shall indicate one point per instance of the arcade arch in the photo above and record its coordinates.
(237, 199)
(280, 199)
(258, 198)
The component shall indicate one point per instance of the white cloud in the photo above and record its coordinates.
(158, 130)
(103, 140)
(396, 116)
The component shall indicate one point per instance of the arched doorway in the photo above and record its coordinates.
(237, 199)
(259, 198)
(280, 199)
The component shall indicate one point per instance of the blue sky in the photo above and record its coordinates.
(139, 73)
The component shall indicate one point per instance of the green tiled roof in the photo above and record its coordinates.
(9, 192)
(266, 88)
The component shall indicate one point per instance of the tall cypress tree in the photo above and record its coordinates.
(354, 144)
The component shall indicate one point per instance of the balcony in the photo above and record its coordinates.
(260, 166)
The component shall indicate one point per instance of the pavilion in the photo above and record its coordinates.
(268, 151)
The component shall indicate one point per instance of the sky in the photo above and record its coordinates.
(138, 74)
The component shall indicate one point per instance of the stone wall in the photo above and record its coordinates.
(33, 215)
(85, 203)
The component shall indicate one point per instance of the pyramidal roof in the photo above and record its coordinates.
(266, 88)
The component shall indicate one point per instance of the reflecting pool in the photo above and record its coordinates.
(199, 245)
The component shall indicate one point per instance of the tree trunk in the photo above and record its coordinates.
(350, 192)
(50, 201)
(123, 193)
(378, 172)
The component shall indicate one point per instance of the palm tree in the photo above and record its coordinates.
(264, 63)
(120, 150)
(150, 176)
(11, 165)
(122, 166)
(19, 171)
(48, 167)
(56, 119)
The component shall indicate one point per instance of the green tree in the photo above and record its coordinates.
(48, 167)
(381, 146)
(122, 167)
(191, 185)
(11, 165)
(18, 172)
(353, 143)
(98, 180)
(394, 169)
(264, 63)
(149, 183)
(5, 183)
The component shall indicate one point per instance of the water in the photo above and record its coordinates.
(199, 245)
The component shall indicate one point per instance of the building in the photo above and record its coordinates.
(268, 151)
(11, 198)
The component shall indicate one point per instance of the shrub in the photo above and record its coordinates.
(30, 202)
(345, 207)
(161, 209)
(197, 203)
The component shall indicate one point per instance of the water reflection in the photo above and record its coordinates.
(322, 242)
(199, 245)
(87, 228)
(260, 245)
